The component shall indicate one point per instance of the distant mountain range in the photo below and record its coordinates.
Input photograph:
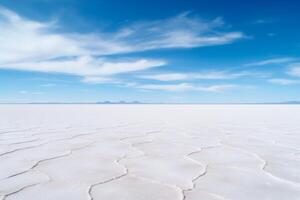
(119, 102)
(290, 102)
(138, 102)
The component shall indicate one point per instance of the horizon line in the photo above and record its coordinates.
(153, 103)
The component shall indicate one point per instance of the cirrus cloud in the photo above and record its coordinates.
(272, 61)
(30, 45)
(283, 81)
(294, 69)
(186, 87)
(209, 75)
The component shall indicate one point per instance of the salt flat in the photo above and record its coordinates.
(150, 152)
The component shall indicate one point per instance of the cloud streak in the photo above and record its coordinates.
(29, 45)
(185, 87)
(182, 31)
(272, 61)
(24, 39)
(87, 66)
(282, 81)
(294, 69)
(211, 75)
(36, 46)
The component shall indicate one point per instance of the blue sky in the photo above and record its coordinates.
(221, 51)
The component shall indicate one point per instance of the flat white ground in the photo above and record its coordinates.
(149, 152)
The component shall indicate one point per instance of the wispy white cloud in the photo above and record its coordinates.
(282, 81)
(211, 75)
(100, 79)
(87, 66)
(24, 39)
(29, 45)
(30, 92)
(185, 87)
(49, 85)
(182, 31)
(272, 61)
(294, 69)
(166, 77)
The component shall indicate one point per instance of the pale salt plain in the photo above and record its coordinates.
(149, 152)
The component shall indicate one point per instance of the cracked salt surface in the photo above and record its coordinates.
(149, 152)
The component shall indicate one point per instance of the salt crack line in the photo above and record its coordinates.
(20, 190)
(94, 131)
(70, 152)
(23, 148)
(141, 136)
(24, 142)
(45, 143)
(39, 162)
(126, 171)
(264, 164)
(19, 130)
(201, 174)
(175, 187)
(133, 145)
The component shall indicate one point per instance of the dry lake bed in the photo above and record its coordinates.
(149, 152)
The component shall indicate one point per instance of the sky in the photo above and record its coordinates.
(217, 51)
